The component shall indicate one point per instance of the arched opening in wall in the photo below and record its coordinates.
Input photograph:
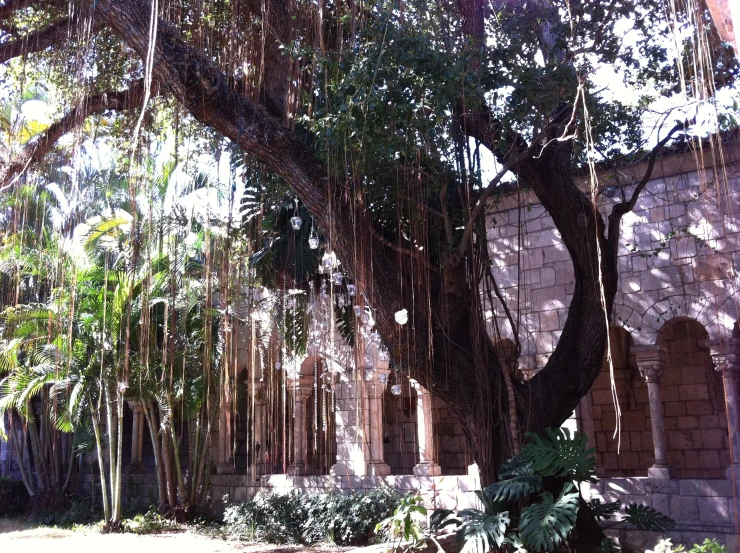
(400, 432)
(693, 402)
(319, 425)
(636, 451)
(453, 455)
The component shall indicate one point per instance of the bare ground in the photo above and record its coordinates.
(18, 536)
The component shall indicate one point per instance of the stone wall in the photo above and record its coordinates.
(453, 454)
(678, 256)
(400, 440)
(702, 508)
(635, 449)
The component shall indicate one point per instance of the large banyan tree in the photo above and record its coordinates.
(396, 124)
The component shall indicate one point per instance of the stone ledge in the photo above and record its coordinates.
(705, 488)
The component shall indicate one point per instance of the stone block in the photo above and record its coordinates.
(714, 509)
(684, 509)
(709, 459)
(662, 486)
(674, 408)
(625, 486)
(687, 422)
(705, 488)
(549, 320)
(691, 459)
(660, 502)
(699, 407)
(678, 440)
(712, 438)
(239, 494)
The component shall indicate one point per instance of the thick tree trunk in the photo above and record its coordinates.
(203, 90)
(439, 343)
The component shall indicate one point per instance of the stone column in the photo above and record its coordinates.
(224, 463)
(260, 428)
(586, 419)
(376, 380)
(729, 365)
(137, 432)
(650, 362)
(301, 394)
(427, 465)
(350, 448)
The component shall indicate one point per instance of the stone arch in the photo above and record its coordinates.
(714, 306)
(693, 402)
(635, 447)
(319, 426)
(400, 432)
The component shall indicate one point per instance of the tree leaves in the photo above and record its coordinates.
(643, 517)
(603, 511)
(517, 480)
(560, 454)
(481, 531)
(545, 525)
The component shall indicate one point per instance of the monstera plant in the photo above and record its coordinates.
(534, 505)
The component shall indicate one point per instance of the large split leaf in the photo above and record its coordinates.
(517, 480)
(545, 525)
(603, 511)
(643, 517)
(481, 531)
(560, 454)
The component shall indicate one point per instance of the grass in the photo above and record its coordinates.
(21, 534)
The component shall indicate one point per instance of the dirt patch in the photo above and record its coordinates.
(18, 535)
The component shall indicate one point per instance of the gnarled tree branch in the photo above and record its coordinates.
(39, 41)
(37, 148)
(625, 207)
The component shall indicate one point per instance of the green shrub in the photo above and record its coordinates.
(343, 519)
(79, 512)
(13, 497)
(148, 523)
(708, 546)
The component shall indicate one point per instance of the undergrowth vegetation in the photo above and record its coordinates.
(13, 497)
(342, 519)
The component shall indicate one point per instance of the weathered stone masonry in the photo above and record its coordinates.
(674, 334)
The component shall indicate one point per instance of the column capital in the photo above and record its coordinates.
(376, 381)
(259, 389)
(650, 362)
(302, 392)
(416, 385)
(727, 363)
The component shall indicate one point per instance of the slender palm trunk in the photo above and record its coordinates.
(116, 499)
(38, 455)
(110, 425)
(150, 415)
(168, 470)
(25, 470)
(178, 467)
(101, 466)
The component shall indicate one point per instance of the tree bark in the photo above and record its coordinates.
(203, 90)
